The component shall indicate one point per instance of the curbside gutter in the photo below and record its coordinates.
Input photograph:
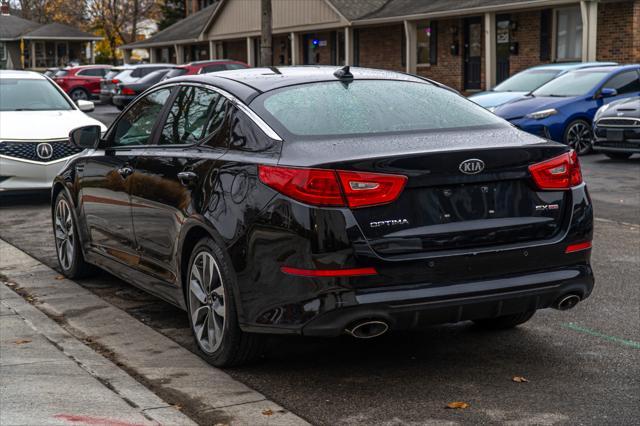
(176, 375)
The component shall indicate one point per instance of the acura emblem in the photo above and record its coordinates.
(44, 151)
(471, 166)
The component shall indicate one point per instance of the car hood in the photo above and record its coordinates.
(30, 125)
(521, 107)
(494, 99)
(629, 107)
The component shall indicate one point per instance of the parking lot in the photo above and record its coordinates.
(582, 366)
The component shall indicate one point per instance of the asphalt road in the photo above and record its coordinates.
(583, 365)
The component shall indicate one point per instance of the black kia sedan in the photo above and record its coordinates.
(616, 128)
(322, 201)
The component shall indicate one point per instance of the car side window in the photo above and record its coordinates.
(91, 72)
(189, 115)
(136, 125)
(625, 82)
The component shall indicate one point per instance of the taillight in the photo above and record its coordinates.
(561, 172)
(127, 91)
(337, 188)
(115, 81)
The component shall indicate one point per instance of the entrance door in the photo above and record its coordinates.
(472, 53)
(502, 48)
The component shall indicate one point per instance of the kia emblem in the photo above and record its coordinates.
(44, 151)
(471, 166)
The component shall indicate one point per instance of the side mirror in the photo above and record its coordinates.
(85, 137)
(608, 92)
(85, 106)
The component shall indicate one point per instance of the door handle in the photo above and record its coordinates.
(125, 171)
(187, 178)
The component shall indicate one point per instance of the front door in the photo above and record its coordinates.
(472, 53)
(503, 39)
(105, 179)
(163, 190)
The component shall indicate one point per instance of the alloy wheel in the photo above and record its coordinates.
(79, 95)
(206, 302)
(65, 237)
(579, 137)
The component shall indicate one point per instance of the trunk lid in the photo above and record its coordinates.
(448, 203)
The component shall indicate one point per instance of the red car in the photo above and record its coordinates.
(204, 67)
(81, 82)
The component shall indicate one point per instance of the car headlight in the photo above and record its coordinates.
(539, 115)
(600, 112)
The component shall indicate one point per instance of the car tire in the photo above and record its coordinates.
(67, 241)
(210, 298)
(505, 321)
(579, 136)
(79, 94)
(618, 155)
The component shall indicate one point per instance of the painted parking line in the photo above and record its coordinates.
(614, 339)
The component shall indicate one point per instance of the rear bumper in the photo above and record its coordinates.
(122, 100)
(629, 140)
(423, 305)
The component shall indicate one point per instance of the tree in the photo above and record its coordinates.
(171, 11)
(266, 54)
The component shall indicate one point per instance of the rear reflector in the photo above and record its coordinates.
(578, 247)
(337, 188)
(329, 272)
(561, 172)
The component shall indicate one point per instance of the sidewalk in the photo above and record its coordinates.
(47, 377)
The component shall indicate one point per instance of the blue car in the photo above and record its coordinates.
(526, 82)
(563, 109)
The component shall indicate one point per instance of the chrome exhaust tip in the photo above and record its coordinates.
(567, 302)
(367, 329)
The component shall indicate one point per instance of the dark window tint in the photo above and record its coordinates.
(213, 68)
(188, 116)
(136, 125)
(153, 78)
(147, 71)
(91, 72)
(625, 82)
(371, 106)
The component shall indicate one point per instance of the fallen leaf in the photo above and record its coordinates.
(458, 405)
(267, 412)
(60, 277)
(519, 379)
(22, 341)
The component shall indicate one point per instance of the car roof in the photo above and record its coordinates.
(149, 66)
(612, 68)
(211, 61)
(25, 75)
(249, 82)
(565, 66)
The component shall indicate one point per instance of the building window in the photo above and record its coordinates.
(426, 43)
(568, 34)
(3, 52)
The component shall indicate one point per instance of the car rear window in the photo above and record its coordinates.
(367, 107)
(61, 73)
(175, 72)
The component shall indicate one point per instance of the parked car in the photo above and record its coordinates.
(125, 74)
(36, 117)
(50, 72)
(82, 82)
(617, 129)
(322, 201)
(204, 67)
(563, 109)
(526, 82)
(126, 92)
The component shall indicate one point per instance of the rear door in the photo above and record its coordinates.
(183, 156)
(106, 177)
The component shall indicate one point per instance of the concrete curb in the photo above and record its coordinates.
(208, 395)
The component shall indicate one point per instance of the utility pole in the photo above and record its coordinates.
(266, 55)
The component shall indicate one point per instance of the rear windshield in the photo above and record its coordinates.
(31, 95)
(175, 72)
(61, 73)
(576, 83)
(526, 81)
(367, 107)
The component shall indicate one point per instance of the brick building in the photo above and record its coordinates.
(467, 44)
